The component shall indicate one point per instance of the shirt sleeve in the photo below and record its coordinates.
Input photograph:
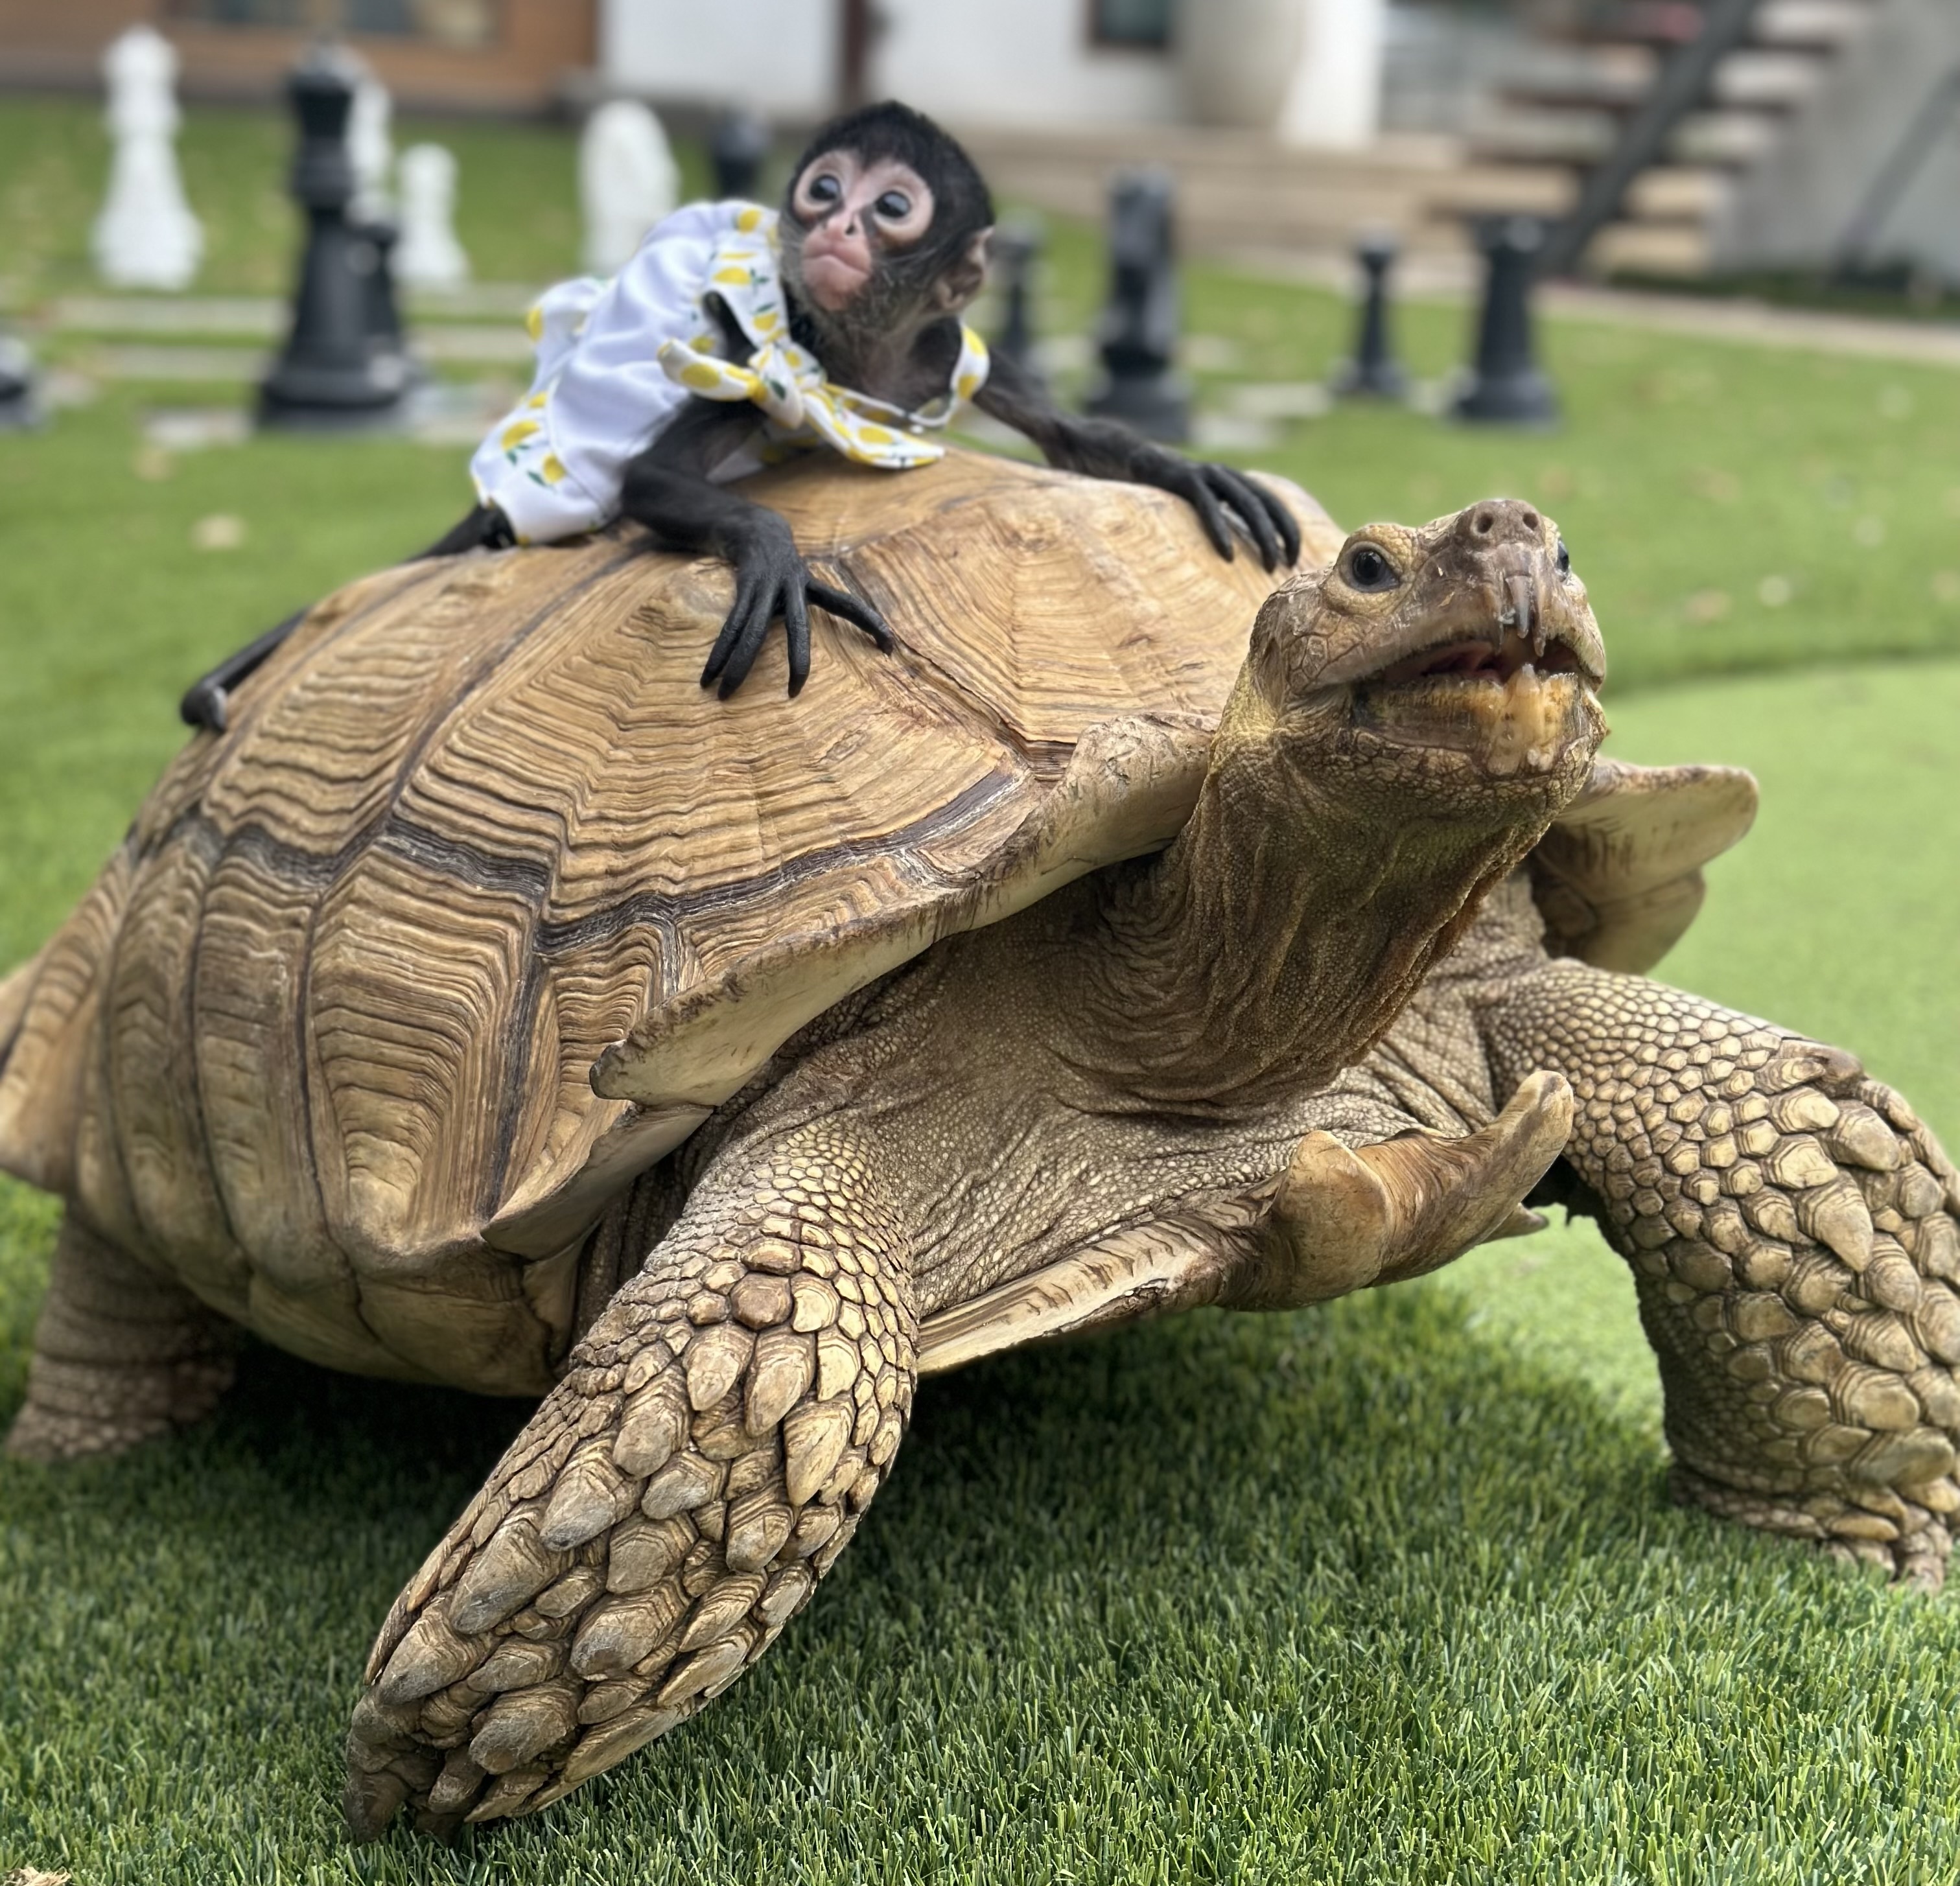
(553, 465)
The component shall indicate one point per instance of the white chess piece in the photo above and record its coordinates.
(627, 181)
(146, 236)
(370, 151)
(428, 255)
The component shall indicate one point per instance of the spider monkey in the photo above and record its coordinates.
(882, 240)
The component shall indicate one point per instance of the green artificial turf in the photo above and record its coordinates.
(1386, 1591)
(1389, 1590)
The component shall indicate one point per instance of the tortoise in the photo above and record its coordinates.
(488, 1008)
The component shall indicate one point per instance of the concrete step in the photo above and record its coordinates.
(1725, 140)
(1236, 193)
(1678, 193)
(1816, 26)
(1655, 249)
(1766, 79)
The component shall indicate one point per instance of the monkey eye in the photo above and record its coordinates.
(894, 206)
(1367, 569)
(824, 188)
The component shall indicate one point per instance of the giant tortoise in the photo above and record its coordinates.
(488, 1006)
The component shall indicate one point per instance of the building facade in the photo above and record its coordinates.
(484, 55)
(1306, 70)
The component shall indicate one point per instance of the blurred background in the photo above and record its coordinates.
(1388, 1590)
(1811, 125)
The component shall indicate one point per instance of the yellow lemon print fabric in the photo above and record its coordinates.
(617, 361)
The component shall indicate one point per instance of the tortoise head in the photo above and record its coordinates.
(1408, 721)
(1456, 662)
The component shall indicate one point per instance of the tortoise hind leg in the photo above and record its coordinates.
(121, 1354)
(1792, 1230)
(706, 1456)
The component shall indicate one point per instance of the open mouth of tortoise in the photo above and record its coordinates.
(1514, 696)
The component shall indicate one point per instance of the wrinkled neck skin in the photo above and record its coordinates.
(1275, 941)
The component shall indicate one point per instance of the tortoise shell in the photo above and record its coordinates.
(483, 902)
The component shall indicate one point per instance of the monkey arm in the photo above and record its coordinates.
(667, 488)
(1098, 448)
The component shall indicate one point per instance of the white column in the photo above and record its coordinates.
(1335, 100)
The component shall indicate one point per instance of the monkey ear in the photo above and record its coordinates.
(966, 275)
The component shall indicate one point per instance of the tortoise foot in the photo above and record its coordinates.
(1868, 1527)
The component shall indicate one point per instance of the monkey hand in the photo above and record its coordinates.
(772, 580)
(1223, 498)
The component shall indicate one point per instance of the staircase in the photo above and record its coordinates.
(1654, 112)
(1632, 134)
(1239, 193)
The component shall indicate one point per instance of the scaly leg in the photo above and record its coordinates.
(1792, 1230)
(121, 1354)
(715, 1438)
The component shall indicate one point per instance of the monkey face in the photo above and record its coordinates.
(852, 212)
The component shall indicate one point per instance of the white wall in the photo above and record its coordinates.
(778, 56)
(1017, 62)
(1336, 97)
(1793, 208)
(997, 62)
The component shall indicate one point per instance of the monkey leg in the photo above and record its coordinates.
(672, 1503)
(1792, 1230)
(121, 1354)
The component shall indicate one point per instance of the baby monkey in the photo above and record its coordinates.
(734, 337)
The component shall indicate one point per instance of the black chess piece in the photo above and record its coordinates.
(1016, 255)
(737, 150)
(1506, 387)
(19, 403)
(382, 304)
(330, 371)
(1138, 333)
(1374, 370)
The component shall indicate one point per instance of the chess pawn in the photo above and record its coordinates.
(370, 151)
(20, 406)
(428, 255)
(1507, 387)
(146, 236)
(1015, 260)
(627, 182)
(737, 149)
(1136, 335)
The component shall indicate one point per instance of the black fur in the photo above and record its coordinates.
(893, 130)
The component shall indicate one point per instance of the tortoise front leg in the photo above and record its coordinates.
(715, 1438)
(1791, 1227)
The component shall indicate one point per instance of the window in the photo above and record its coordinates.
(1144, 24)
(447, 22)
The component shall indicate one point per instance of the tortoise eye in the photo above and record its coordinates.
(1368, 569)
(1564, 559)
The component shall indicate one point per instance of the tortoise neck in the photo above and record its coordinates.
(1275, 941)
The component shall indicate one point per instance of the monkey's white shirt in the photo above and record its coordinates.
(617, 361)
